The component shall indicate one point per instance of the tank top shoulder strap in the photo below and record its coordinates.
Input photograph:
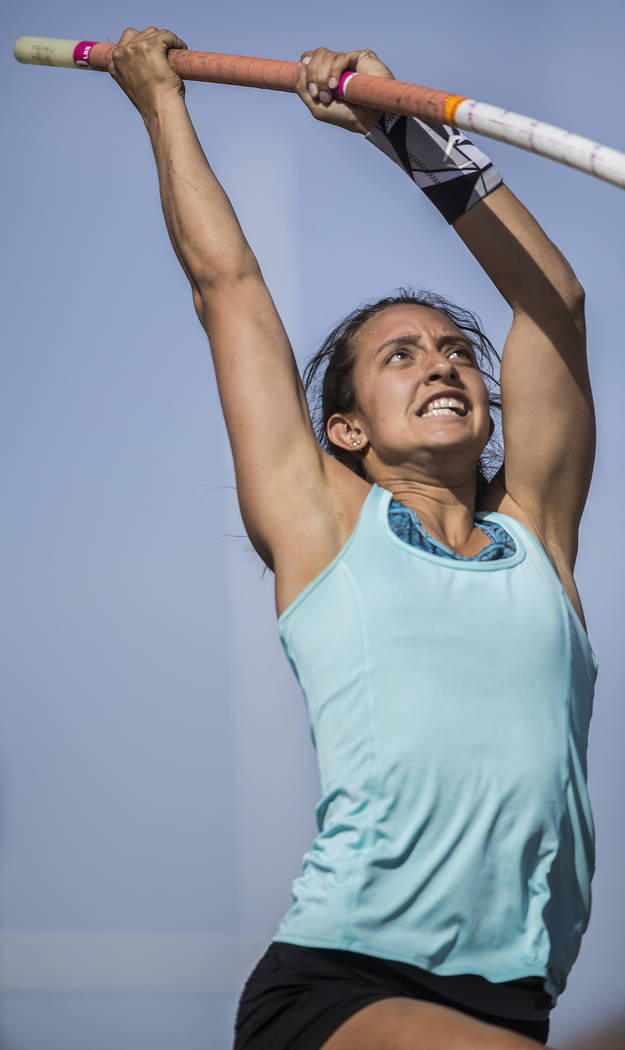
(372, 512)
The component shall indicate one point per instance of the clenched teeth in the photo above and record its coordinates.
(445, 406)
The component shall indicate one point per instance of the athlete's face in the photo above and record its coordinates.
(407, 359)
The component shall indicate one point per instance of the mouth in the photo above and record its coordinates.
(444, 406)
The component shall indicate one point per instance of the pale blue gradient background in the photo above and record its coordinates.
(157, 778)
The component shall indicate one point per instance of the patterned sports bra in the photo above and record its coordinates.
(405, 524)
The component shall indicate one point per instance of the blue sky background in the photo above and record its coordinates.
(157, 778)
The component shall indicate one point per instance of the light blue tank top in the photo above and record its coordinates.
(449, 702)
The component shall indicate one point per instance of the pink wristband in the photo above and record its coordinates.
(339, 90)
(81, 53)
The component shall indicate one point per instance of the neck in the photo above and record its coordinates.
(447, 512)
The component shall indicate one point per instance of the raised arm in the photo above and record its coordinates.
(548, 418)
(547, 408)
(547, 411)
(274, 446)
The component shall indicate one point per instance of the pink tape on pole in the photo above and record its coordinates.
(339, 90)
(81, 53)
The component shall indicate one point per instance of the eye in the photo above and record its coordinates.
(462, 350)
(400, 354)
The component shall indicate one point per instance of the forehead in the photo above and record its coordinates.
(403, 320)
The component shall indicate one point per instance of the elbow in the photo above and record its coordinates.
(563, 307)
(557, 310)
(568, 291)
(210, 281)
(197, 301)
(577, 303)
(212, 287)
(577, 298)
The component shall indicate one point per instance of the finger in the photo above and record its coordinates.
(336, 71)
(344, 62)
(318, 73)
(172, 40)
(328, 68)
(301, 86)
(127, 35)
(341, 63)
(323, 111)
(312, 104)
(166, 36)
(362, 53)
(148, 43)
(323, 66)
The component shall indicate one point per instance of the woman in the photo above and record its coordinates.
(430, 614)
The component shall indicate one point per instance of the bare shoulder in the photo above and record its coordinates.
(497, 499)
(317, 521)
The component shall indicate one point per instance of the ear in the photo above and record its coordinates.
(346, 433)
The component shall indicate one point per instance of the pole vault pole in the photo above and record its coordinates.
(391, 96)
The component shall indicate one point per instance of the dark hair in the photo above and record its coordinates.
(336, 392)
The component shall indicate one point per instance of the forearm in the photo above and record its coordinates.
(512, 248)
(204, 230)
(463, 184)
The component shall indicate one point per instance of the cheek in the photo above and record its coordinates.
(386, 403)
(483, 396)
(381, 399)
(489, 424)
(372, 400)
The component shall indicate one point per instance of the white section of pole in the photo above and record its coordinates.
(45, 51)
(545, 139)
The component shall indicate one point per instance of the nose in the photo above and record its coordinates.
(440, 367)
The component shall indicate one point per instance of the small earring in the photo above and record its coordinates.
(356, 442)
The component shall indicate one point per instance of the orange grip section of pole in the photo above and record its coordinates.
(391, 96)
(216, 68)
(397, 96)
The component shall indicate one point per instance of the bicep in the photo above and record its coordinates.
(264, 404)
(548, 421)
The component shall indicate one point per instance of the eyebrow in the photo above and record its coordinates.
(410, 337)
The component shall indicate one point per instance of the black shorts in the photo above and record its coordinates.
(296, 997)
